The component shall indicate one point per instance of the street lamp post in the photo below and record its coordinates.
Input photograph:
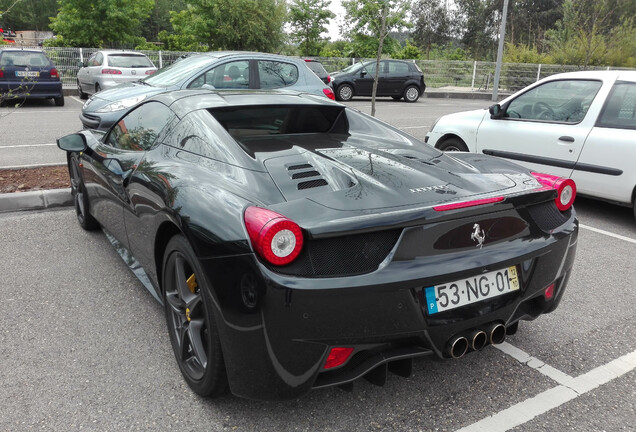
(502, 36)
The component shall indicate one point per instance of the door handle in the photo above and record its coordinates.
(567, 139)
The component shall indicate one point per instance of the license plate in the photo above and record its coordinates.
(456, 294)
(29, 74)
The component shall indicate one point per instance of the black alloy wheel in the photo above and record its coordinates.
(344, 92)
(452, 144)
(80, 93)
(80, 198)
(189, 314)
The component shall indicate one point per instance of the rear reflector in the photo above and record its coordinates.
(337, 356)
(465, 204)
(549, 292)
(111, 72)
(329, 93)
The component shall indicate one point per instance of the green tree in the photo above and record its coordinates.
(477, 27)
(101, 23)
(159, 18)
(376, 18)
(409, 52)
(27, 14)
(592, 33)
(233, 24)
(528, 21)
(432, 25)
(308, 19)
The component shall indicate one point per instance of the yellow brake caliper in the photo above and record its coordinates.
(192, 284)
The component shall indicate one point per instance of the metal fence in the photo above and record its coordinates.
(465, 75)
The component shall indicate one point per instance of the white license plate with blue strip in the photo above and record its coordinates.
(440, 298)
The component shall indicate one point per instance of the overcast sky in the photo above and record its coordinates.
(333, 30)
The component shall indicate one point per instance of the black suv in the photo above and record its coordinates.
(398, 79)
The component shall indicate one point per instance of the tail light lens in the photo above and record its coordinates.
(150, 72)
(111, 72)
(55, 73)
(329, 93)
(328, 79)
(1, 73)
(565, 187)
(274, 237)
(337, 356)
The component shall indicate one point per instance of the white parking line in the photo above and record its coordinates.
(33, 165)
(26, 145)
(534, 363)
(527, 410)
(607, 233)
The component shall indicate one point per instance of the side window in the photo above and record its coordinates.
(370, 68)
(398, 68)
(565, 101)
(232, 75)
(139, 129)
(619, 111)
(99, 59)
(92, 61)
(274, 74)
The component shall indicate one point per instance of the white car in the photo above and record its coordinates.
(580, 125)
(106, 69)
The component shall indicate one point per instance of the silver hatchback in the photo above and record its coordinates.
(106, 69)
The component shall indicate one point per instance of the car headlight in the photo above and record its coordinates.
(121, 104)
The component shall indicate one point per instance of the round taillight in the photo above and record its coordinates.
(274, 237)
(565, 187)
(566, 190)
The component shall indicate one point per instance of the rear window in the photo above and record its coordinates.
(277, 120)
(129, 61)
(317, 68)
(23, 59)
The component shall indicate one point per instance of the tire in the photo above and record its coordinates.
(397, 98)
(411, 94)
(97, 88)
(80, 197)
(80, 93)
(452, 144)
(59, 101)
(190, 318)
(344, 92)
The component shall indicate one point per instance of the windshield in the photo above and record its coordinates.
(353, 68)
(177, 72)
(129, 61)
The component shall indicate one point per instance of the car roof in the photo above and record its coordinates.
(184, 101)
(602, 75)
(121, 52)
(30, 50)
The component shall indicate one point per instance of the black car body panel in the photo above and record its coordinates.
(375, 238)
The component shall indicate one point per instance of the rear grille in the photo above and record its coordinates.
(547, 216)
(342, 256)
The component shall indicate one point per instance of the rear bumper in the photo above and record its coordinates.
(276, 339)
(31, 90)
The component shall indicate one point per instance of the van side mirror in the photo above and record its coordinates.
(72, 143)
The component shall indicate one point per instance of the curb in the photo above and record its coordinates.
(35, 200)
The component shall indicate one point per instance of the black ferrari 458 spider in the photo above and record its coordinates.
(297, 244)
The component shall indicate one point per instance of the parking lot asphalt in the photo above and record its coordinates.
(83, 346)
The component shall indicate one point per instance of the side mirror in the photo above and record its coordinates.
(363, 73)
(72, 143)
(495, 111)
(80, 64)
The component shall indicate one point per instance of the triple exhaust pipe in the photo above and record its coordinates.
(494, 333)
